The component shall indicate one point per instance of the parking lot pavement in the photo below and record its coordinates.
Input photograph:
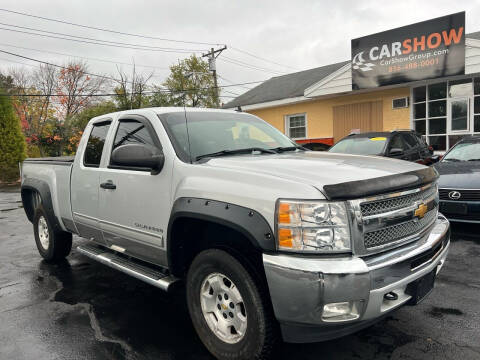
(80, 309)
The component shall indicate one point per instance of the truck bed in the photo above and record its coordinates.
(54, 172)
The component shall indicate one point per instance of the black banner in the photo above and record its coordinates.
(430, 49)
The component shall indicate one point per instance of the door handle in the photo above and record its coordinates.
(108, 185)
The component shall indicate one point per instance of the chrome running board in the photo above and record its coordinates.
(142, 272)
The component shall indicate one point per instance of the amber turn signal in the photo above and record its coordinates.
(284, 213)
(285, 238)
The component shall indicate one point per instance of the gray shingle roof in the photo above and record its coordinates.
(292, 85)
(285, 86)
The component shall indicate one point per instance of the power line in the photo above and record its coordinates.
(261, 58)
(107, 77)
(233, 82)
(104, 95)
(249, 66)
(35, 66)
(143, 36)
(55, 65)
(86, 58)
(110, 78)
(231, 92)
(107, 30)
(18, 62)
(88, 40)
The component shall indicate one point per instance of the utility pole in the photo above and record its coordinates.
(212, 66)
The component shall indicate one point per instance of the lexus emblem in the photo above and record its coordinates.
(454, 195)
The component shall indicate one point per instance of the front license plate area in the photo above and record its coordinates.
(420, 288)
(453, 208)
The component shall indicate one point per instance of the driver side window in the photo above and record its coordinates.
(132, 132)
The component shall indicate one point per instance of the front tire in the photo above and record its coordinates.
(52, 245)
(229, 310)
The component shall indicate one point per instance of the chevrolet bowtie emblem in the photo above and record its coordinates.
(421, 210)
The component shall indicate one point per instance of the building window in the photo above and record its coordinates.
(420, 109)
(296, 126)
(445, 112)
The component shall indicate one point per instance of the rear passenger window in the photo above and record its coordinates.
(96, 141)
(132, 132)
(398, 143)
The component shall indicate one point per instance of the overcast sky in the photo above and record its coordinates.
(300, 34)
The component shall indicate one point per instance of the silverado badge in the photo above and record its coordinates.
(421, 210)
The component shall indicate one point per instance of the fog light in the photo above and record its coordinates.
(341, 311)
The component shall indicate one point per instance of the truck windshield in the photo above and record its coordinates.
(360, 146)
(214, 133)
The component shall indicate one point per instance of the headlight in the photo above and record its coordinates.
(312, 226)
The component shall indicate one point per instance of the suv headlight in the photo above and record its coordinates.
(312, 226)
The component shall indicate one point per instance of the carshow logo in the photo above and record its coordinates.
(425, 50)
(358, 63)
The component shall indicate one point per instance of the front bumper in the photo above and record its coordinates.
(470, 215)
(300, 286)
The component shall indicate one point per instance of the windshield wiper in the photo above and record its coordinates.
(452, 159)
(237, 151)
(281, 149)
(473, 160)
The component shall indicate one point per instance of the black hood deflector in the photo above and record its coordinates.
(382, 185)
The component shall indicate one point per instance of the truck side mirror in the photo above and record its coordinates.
(138, 156)
(396, 152)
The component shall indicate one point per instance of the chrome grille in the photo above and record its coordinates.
(395, 203)
(397, 232)
(385, 221)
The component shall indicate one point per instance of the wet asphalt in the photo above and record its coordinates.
(80, 309)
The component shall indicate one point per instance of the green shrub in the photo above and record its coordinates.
(12, 141)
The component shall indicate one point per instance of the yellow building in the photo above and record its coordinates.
(320, 105)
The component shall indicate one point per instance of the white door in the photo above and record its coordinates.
(134, 204)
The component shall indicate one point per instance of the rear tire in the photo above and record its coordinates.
(222, 295)
(52, 245)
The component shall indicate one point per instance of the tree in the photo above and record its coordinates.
(131, 92)
(80, 120)
(77, 90)
(6, 82)
(160, 98)
(191, 84)
(33, 104)
(12, 142)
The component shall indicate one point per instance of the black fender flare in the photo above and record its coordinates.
(43, 189)
(248, 222)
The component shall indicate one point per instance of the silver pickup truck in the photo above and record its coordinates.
(271, 241)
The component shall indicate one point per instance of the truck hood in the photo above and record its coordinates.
(316, 168)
